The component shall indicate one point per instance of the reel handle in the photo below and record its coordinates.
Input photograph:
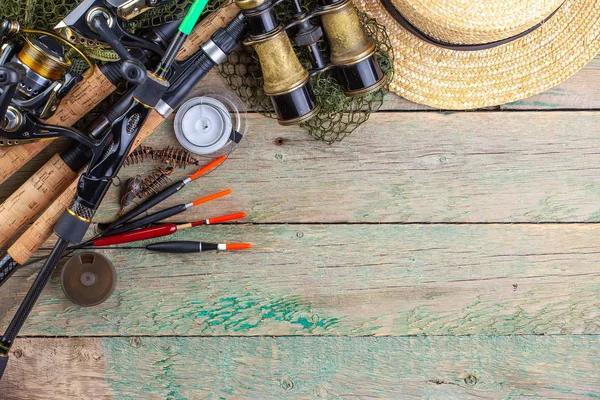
(10, 76)
(132, 69)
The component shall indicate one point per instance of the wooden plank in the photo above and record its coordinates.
(56, 369)
(409, 167)
(538, 367)
(357, 280)
(581, 91)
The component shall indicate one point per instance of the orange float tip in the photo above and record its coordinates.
(211, 197)
(237, 246)
(225, 218)
(213, 164)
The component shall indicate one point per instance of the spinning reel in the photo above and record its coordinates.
(353, 61)
(95, 23)
(34, 77)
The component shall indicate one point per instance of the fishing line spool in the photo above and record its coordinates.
(212, 122)
(88, 279)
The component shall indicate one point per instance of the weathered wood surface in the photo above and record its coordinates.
(578, 92)
(344, 280)
(323, 266)
(535, 367)
(409, 167)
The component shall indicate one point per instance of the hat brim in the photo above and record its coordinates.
(459, 80)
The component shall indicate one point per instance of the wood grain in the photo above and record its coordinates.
(534, 367)
(352, 280)
(413, 167)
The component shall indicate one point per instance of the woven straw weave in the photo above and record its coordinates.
(474, 22)
(454, 79)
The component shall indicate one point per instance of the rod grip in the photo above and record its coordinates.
(31, 240)
(78, 102)
(33, 196)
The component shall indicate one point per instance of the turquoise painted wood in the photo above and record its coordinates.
(473, 367)
(344, 280)
(489, 234)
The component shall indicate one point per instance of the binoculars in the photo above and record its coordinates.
(352, 54)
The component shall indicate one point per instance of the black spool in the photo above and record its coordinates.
(261, 20)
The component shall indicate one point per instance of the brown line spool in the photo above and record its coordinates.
(26, 245)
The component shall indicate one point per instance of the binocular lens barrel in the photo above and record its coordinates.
(295, 107)
(362, 78)
(352, 50)
(285, 79)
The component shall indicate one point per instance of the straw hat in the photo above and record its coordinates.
(461, 54)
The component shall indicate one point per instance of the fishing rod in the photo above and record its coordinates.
(109, 152)
(56, 100)
(19, 253)
(188, 74)
(198, 55)
(55, 175)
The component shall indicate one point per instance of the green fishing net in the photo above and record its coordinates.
(339, 115)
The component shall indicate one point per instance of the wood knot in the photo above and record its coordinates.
(279, 141)
(286, 384)
(18, 353)
(470, 380)
(136, 342)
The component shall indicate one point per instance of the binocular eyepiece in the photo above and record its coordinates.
(352, 60)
